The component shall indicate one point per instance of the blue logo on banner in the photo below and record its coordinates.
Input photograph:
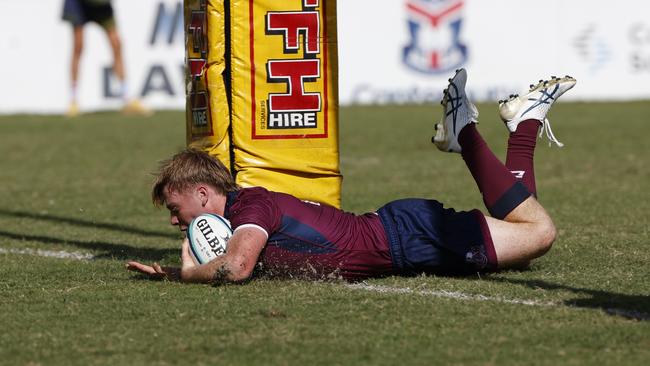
(593, 48)
(434, 30)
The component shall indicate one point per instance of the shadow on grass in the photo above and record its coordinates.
(86, 223)
(109, 250)
(628, 306)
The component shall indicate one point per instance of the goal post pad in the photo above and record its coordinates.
(272, 68)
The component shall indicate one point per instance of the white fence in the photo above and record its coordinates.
(400, 52)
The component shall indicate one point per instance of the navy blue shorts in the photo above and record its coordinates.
(426, 237)
(80, 12)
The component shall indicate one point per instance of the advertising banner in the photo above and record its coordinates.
(390, 51)
(404, 50)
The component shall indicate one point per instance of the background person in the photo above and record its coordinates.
(79, 13)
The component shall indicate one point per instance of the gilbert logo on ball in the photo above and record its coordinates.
(208, 235)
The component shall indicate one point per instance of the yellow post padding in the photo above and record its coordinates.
(282, 94)
(207, 111)
(284, 106)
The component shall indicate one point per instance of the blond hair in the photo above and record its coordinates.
(187, 168)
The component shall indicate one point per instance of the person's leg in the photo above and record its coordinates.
(526, 233)
(132, 106)
(500, 190)
(523, 117)
(520, 228)
(116, 47)
(77, 49)
(457, 133)
(104, 16)
(520, 153)
(73, 13)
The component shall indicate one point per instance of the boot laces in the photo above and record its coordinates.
(546, 127)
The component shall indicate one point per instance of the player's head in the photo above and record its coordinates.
(187, 169)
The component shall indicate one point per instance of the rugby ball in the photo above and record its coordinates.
(208, 235)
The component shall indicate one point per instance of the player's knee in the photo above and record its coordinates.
(546, 234)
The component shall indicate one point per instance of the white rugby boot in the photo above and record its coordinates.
(535, 105)
(458, 112)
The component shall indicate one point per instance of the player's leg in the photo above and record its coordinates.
(526, 233)
(457, 133)
(520, 228)
(520, 153)
(523, 116)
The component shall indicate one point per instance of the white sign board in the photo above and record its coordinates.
(390, 51)
(35, 69)
(405, 50)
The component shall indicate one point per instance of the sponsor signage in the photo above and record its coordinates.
(407, 49)
(434, 43)
(289, 75)
(389, 51)
(198, 101)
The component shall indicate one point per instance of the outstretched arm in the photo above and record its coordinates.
(237, 265)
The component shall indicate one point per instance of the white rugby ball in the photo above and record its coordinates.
(208, 235)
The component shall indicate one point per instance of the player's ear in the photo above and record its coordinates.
(203, 192)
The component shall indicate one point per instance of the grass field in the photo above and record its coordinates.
(81, 186)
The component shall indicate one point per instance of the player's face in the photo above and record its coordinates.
(183, 207)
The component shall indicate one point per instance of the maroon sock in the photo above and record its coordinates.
(501, 191)
(521, 148)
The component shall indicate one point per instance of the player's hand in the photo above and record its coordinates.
(155, 271)
(188, 265)
(186, 257)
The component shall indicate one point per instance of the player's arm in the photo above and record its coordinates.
(244, 248)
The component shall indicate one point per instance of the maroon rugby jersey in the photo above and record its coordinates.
(311, 239)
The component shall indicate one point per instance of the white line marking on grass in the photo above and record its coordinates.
(444, 294)
(60, 254)
(630, 314)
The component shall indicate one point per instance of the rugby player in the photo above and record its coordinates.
(78, 13)
(279, 234)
